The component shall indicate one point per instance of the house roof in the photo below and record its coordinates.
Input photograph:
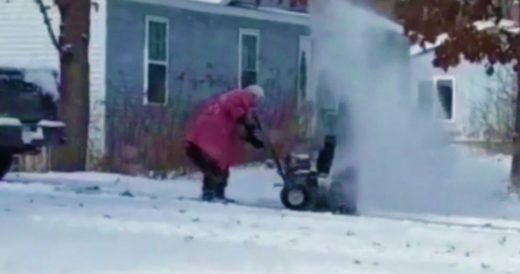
(225, 2)
(505, 24)
(222, 7)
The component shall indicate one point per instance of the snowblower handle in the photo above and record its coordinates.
(269, 146)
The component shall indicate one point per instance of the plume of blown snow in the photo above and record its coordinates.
(404, 162)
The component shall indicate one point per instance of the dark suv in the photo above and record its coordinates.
(28, 113)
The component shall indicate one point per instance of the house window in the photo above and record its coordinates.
(444, 89)
(156, 60)
(437, 98)
(249, 57)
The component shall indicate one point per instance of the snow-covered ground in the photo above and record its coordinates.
(104, 223)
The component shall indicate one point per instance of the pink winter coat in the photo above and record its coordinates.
(215, 129)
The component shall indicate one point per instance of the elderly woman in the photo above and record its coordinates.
(215, 136)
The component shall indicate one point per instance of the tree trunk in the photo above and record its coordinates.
(74, 85)
(515, 167)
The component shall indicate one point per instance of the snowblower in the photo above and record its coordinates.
(307, 182)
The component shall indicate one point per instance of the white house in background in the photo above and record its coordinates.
(452, 97)
(25, 43)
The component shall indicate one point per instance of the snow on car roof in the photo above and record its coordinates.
(43, 77)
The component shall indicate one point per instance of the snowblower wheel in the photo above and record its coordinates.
(298, 197)
(6, 159)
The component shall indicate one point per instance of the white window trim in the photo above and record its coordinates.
(251, 32)
(437, 100)
(148, 19)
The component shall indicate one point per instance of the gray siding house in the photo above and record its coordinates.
(165, 57)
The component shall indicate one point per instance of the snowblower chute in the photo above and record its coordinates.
(308, 186)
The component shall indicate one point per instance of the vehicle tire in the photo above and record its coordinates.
(6, 159)
(298, 197)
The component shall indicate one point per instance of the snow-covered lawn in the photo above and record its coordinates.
(103, 223)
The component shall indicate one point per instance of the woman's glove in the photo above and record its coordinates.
(255, 142)
(249, 134)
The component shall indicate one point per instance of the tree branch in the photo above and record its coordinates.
(48, 24)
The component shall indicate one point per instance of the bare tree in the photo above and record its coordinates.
(72, 45)
(494, 117)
